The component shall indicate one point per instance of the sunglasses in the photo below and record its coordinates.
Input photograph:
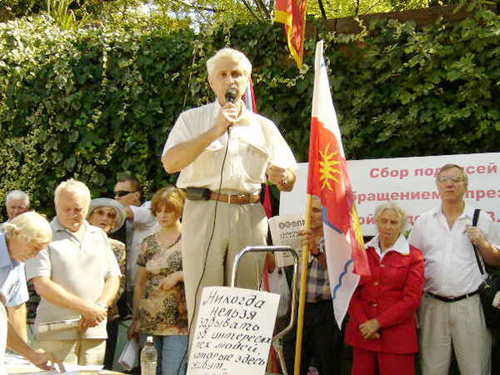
(122, 193)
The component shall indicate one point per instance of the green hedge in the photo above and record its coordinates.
(97, 101)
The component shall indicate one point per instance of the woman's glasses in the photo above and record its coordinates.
(109, 214)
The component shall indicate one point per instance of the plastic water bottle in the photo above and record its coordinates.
(149, 358)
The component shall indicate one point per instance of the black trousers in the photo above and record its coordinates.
(322, 341)
(112, 328)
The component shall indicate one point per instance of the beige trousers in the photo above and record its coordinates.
(236, 227)
(3, 337)
(458, 326)
(86, 352)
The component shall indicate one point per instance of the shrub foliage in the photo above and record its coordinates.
(92, 102)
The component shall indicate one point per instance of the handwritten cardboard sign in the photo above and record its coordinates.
(233, 332)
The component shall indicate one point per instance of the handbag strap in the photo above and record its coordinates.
(475, 219)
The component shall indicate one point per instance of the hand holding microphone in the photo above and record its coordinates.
(229, 111)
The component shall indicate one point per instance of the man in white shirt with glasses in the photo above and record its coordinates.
(451, 316)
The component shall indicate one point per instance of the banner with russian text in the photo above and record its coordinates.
(292, 13)
(328, 179)
(410, 182)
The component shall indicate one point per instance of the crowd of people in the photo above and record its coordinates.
(80, 274)
(105, 260)
(422, 295)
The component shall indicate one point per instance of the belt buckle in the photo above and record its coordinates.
(238, 198)
(229, 198)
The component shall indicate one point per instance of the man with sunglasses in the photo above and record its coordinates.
(139, 224)
(451, 315)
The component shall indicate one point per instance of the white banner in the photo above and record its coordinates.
(233, 332)
(408, 181)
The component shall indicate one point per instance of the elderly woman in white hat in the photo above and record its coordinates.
(109, 215)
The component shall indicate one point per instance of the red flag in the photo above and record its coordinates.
(329, 179)
(292, 13)
(328, 174)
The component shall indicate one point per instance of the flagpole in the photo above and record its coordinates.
(303, 290)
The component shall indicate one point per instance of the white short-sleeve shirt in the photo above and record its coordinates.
(451, 269)
(254, 143)
(13, 289)
(143, 224)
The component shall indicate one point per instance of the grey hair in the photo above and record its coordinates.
(31, 226)
(395, 207)
(232, 55)
(74, 186)
(17, 195)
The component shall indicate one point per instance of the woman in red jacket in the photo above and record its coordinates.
(382, 324)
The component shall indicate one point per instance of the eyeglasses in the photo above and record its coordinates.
(109, 214)
(445, 179)
(122, 193)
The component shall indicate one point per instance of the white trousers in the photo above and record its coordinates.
(458, 326)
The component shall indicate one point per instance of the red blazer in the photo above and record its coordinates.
(391, 295)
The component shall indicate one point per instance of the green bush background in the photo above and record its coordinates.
(93, 102)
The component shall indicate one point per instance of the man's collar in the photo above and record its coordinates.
(56, 225)
(401, 245)
(5, 259)
(468, 211)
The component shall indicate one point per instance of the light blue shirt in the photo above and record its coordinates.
(13, 289)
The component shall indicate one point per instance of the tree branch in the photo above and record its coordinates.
(322, 9)
(263, 8)
(198, 7)
(247, 5)
(372, 6)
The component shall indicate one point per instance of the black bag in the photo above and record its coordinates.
(488, 289)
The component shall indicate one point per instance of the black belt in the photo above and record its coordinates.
(452, 299)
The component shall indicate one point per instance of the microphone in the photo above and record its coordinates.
(231, 95)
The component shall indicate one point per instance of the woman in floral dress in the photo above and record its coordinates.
(159, 300)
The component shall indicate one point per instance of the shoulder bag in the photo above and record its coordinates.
(489, 288)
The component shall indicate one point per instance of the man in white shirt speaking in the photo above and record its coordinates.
(451, 316)
(224, 153)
